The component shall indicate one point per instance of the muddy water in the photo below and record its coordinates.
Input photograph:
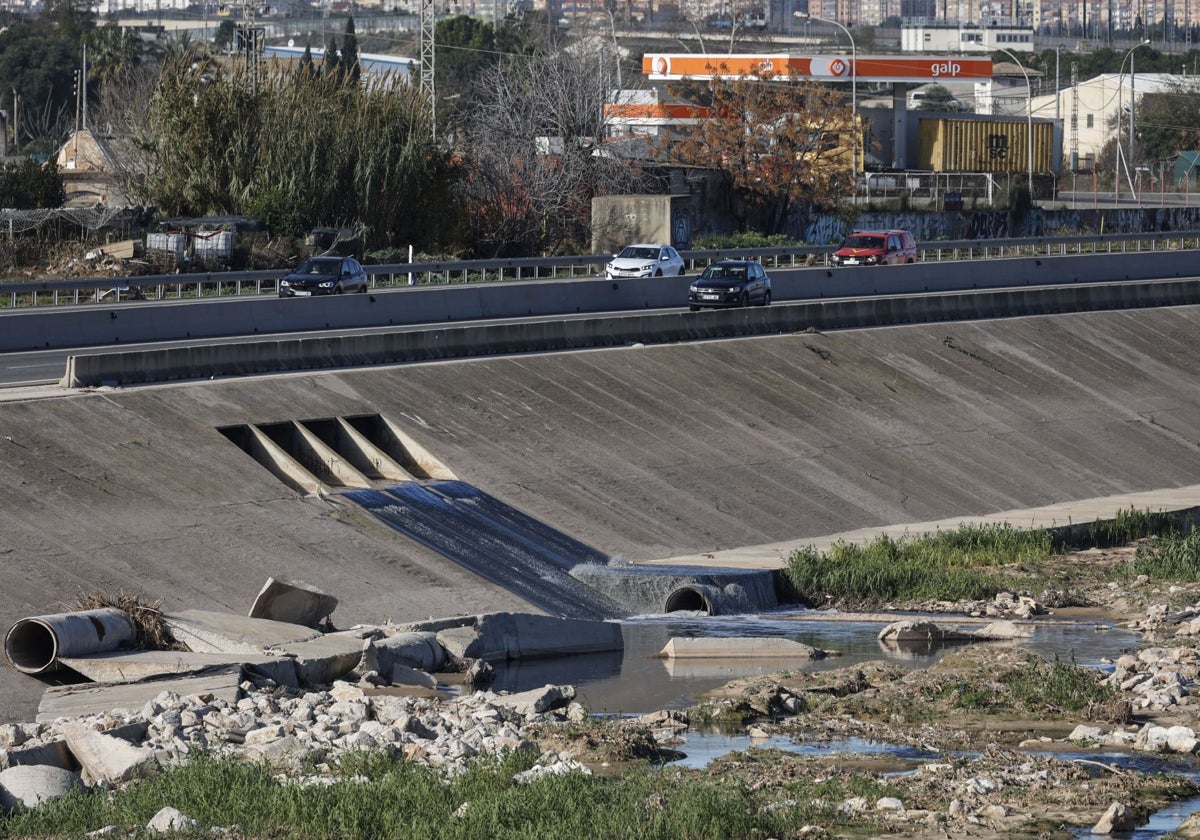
(637, 681)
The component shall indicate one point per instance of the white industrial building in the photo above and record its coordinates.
(1089, 110)
(964, 38)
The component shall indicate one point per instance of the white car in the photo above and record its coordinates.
(645, 261)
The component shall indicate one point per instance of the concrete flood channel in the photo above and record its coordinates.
(373, 463)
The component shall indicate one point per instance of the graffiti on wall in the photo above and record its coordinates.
(825, 229)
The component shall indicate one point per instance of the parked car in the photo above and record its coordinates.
(645, 260)
(324, 276)
(877, 247)
(731, 283)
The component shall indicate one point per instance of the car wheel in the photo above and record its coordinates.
(658, 272)
(767, 298)
(694, 308)
(745, 301)
(338, 290)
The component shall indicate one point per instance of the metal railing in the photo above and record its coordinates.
(51, 293)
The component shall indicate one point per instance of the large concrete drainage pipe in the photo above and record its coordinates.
(33, 645)
(695, 598)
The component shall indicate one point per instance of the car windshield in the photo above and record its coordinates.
(635, 253)
(725, 272)
(859, 241)
(322, 267)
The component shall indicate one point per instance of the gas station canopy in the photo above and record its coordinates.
(821, 68)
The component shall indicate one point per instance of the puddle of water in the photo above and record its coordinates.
(702, 747)
(636, 681)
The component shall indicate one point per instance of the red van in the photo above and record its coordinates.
(877, 247)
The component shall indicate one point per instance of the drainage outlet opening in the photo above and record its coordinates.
(688, 599)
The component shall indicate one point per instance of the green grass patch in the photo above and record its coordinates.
(949, 565)
(1058, 686)
(976, 561)
(1126, 527)
(1171, 557)
(376, 796)
(1036, 686)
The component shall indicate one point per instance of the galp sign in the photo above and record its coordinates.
(945, 68)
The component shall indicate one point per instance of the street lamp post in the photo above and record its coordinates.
(1028, 118)
(1117, 164)
(853, 93)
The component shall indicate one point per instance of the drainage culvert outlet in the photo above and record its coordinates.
(652, 590)
(34, 645)
(689, 599)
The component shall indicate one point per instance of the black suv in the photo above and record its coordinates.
(324, 276)
(731, 283)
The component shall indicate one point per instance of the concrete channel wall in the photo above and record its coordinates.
(243, 358)
(89, 325)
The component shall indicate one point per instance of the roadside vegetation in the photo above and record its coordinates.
(974, 562)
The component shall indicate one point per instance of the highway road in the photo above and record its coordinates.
(46, 366)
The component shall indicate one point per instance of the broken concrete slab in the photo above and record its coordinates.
(136, 666)
(75, 701)
(499, 637)
(54, 754)
(537, 700)
(326, 658)
(206, 631)
(294, 602)
(911, 632)
(404, 675)
(1002, 631)
(30, 785)
(106, 758)
(740, 647)
(415, 650)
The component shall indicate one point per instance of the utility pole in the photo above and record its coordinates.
(428, 21)
(250, 42)
(1074, 137)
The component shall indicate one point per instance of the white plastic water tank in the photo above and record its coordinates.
(213, 246)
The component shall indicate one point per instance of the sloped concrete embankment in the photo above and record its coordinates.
(646, 452)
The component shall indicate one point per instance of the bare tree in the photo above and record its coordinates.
(778, 140)
(529, 149)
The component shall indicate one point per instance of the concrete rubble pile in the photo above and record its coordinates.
(287, 694)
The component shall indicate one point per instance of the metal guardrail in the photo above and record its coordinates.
(396, 275)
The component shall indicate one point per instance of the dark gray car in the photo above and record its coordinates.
(324, 276)
(730, 283)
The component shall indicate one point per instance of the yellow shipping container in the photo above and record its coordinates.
(958, 145)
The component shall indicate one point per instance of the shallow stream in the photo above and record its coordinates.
(638, 681)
